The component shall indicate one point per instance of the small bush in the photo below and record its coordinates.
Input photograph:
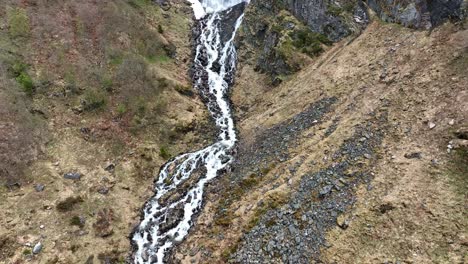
(158, 58)
(267, 169)
(249, 182)
(184, 90)
(121, 110)
(26, 83)
(334, 10)
(164, 153)
(115, 59)
(18, 22)
(309, 42)
(139, 3)
(107, 84)
(69, 203)
(27, 251)
(94, 100)
(160, 29)
(226, 254)
(76, 221)
(18, 67)
(19, 71)
(163, 83)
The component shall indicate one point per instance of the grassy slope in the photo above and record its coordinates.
(84, 84)
(413, 76)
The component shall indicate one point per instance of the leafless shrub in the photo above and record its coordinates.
(21, 133)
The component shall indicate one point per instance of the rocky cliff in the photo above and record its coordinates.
(284, 30)
(419, 14)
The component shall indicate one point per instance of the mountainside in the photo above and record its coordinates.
(351, 119)
(95, 96)
(347, 161)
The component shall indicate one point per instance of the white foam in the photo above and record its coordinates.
(201, 8)
(150, 240)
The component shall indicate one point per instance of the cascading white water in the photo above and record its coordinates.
(201, 8)
(168, 214)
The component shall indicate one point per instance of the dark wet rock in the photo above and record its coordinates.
(383, 208)
(414, 155)
(85, 130)
(72, 176)
(462, 133)
(12, 185)
(39, 187)
(110, 167)
(103, 190)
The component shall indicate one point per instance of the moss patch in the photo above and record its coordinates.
(69, 204)
(18, 22)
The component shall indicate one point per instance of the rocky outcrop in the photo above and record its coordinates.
(334, 19)
(269, 25)
(420, 14)
(278, 33)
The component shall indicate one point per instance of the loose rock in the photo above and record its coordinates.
(72, 176)
(109, 167)
(39, 187)
(414, 155)
(37, 248)
(343, 221)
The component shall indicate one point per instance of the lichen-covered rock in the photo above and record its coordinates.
(279, 36)
(420, 14)
(331, 18)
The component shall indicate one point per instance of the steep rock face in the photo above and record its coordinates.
(270, 27)
(421, 14)
(280, 37)
(328, 17)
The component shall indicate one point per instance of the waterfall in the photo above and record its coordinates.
(169, 214)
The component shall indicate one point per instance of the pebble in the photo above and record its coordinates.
(109, 167)
(325, 190)
(103, 190)
(431, 125)
(72, 176)
(414, 155)
(41, 226)
(367, 156)
(37, 248)
(343, 221)
(39, 187)
(452, 122)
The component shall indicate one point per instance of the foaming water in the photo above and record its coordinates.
(204, 7)
(168, 215)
